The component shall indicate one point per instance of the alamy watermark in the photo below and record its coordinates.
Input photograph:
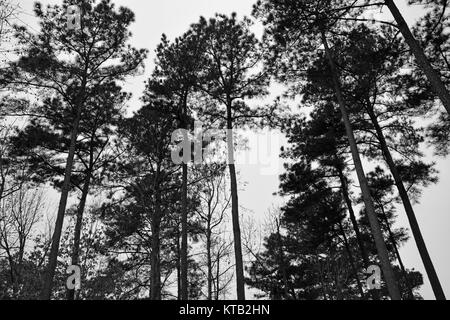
(373, 281)
(242, 147)
(73, 17)
(74, 280)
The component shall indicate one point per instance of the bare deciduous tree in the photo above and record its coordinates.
(19, 215)
(212, 212)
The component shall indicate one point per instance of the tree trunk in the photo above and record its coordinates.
(352, 261)
(53, 256)
(178, 264)
(3, 179)
(422, 60)
(19, 265)
(348, 201)
(209, 261)
(240, 285)
(184, 212)
(397, 253)
(78, 227)
(155, 256)
(429, 267)
(282, 262)
(217, 277)
(383, 254)
(184, 236)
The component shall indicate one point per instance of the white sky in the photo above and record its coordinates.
(173, 17)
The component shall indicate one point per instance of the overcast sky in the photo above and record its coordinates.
(173, 17)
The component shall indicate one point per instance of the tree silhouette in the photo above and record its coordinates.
(102, 39)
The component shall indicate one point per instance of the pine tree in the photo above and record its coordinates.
(422, 60)
(45, 139)
(231, 55)
(103, 38)
(147, 136)
(307, 25)
(178, 65)
(374, 63)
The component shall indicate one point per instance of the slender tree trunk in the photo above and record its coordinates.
(155, 286)
(284, 275)
(184, 236)
(397, 252)
(53, 256)
(352, 261)
(155, 256)
(359, 239)
(421, 246)
(432, 75)
(237, 235)
(78, 227)
(3, 179)
(240, 285)
(178, 264)
(282, 262)
(218, 276)
(383, 254)
(184, 213)
(348, 201)
(209, 261)
(19, 265)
